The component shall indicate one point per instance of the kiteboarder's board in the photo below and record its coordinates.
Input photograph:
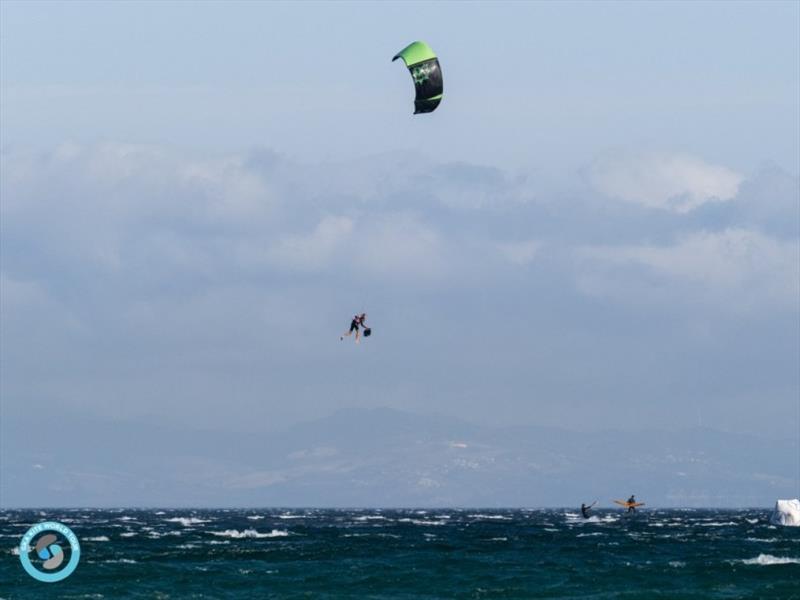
(367, 332)
(628, 504)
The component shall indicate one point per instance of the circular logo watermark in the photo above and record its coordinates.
(55, 549)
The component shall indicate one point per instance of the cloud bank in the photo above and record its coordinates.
(674, 182)
(143, 280)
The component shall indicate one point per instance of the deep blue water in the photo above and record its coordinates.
(413, 554)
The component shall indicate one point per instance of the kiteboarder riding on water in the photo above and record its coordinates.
(358, 321)
(631, 503)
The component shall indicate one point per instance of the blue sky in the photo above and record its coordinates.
(542, 85)
(597, 229)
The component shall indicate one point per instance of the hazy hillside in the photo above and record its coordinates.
(384, 457)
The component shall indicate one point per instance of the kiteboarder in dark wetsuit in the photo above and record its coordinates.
(585, 508)
(631, 502)
(357, 321)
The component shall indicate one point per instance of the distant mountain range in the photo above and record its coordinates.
(389, 458)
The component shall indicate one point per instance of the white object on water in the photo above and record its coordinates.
(787, 512)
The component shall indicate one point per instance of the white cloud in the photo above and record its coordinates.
(520, 253)
(228, 189)
(677, 182)
(27, 306)
(118, 206)
(153, 213)
(314, 250)
(400, 245)
(737, 268)
(120, 183)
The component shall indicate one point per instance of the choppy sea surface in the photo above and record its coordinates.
(412, 554)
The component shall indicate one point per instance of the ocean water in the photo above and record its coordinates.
(412, 554)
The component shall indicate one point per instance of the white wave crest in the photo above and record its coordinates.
(98, 538)
(250, 533)
(186, 521)
(677, 563)
(768, 559)
(574, 518)
(127, 561)
(421, 522)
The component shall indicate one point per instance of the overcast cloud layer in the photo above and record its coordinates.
(211, 289)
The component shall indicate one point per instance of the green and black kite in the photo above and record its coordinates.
(426, 73)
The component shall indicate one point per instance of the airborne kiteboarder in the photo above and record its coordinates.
(355, 325)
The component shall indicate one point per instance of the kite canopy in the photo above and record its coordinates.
(426, 73)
